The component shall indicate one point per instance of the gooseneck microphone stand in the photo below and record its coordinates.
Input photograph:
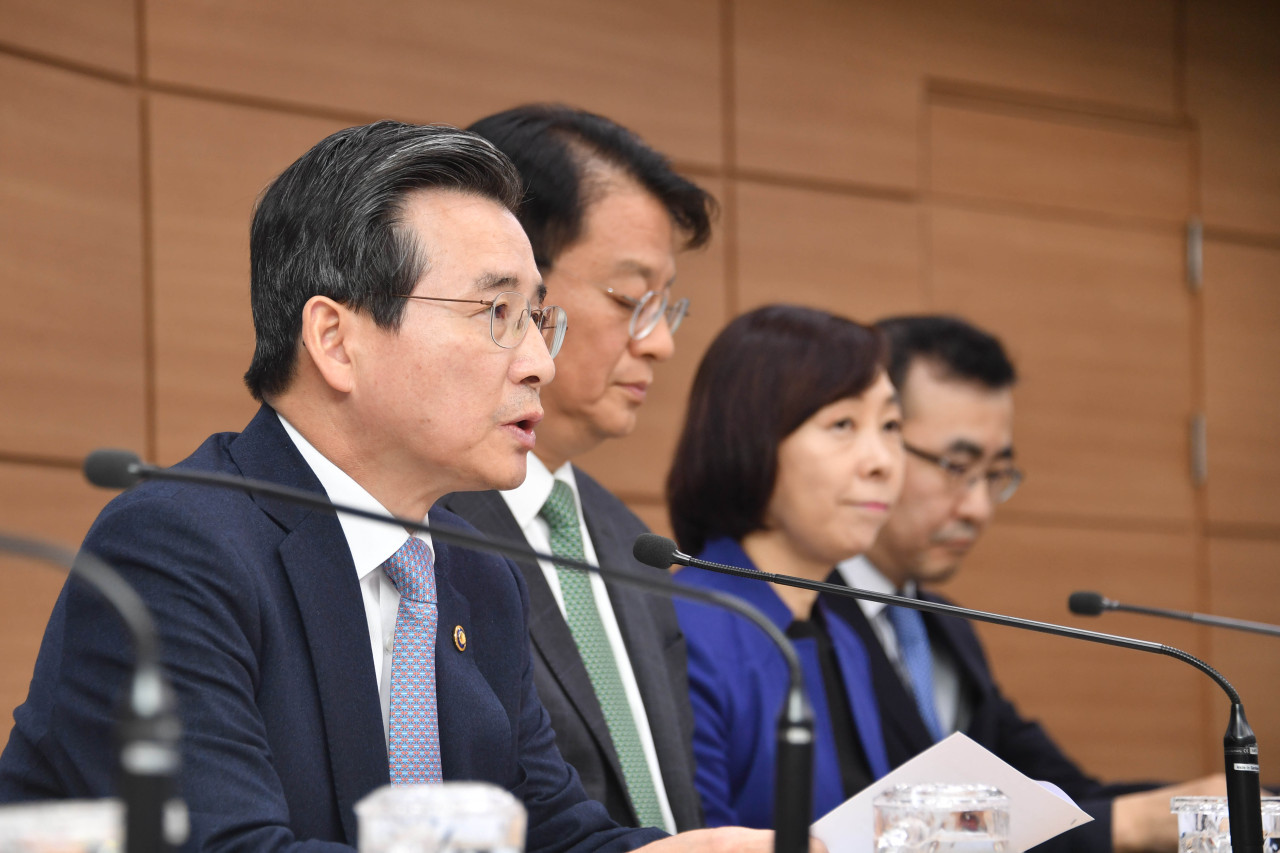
(148, 729)
(121, 469)
(1084, 603)
(1240, 746)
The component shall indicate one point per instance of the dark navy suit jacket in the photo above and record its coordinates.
(654, 645)
(737, 682)
(995, 724)
(265, 640)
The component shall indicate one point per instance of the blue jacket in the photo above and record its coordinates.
(264, 638)
(737, 682)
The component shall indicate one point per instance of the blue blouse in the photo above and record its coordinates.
(737, 682)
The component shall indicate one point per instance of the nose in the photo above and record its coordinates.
(658, 345)
(881, 457)
(532, 364)
(976, 505)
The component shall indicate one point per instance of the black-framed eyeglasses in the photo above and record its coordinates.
(510, 316)
(649, 309)
(1000, 483)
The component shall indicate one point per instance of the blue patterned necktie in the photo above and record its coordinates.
(913, 646)
(414, 732)
(583, 618)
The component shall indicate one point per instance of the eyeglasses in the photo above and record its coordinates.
(649, 309)
(509, 318)
(1001, 483)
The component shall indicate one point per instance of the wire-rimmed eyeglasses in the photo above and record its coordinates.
(649, 309)
(509, 318)
(1001, 483)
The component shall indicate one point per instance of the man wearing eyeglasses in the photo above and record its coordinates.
(930, 672)
(401, 342)
(606, 215)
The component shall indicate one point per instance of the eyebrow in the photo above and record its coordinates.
(644, 271)
(495, 283)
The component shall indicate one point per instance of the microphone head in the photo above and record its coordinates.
(113, 469)
(1085, 603)
(654, 550)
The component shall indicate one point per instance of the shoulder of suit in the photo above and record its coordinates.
(597, 498)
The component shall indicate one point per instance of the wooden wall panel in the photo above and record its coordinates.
(210, 162)
(1059, 159)
(1116, 54)
(636, 467)
(1121, 714)
(1098, 321)
(855, 256)
(827, 88)
(96, 33)
(56, 505)
(71, 345)
(653, 66)
(1233, 58)
(1242, 381)
(1245, 584)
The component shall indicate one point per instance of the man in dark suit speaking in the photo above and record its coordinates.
(401, 345)
(930, 672)
(606, 216)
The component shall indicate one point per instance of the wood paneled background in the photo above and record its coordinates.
(1034, 166)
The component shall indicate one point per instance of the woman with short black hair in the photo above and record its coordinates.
(790, 459)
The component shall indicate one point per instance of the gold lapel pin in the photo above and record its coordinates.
(460, 638)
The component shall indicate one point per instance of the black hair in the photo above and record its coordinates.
(554, 147)
(764, 375)
(957, 348)
(330, 225)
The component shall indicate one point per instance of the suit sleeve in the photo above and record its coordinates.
(709, 697)
(201, 598)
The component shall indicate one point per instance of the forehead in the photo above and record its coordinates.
(627, 228)
(473, 245)
(939, 412)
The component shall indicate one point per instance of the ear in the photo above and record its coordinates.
(327, 330)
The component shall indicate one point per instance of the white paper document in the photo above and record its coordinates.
(1036, 812)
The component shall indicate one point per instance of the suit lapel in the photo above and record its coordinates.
(899, 715)
(548, 631)
(317, 561)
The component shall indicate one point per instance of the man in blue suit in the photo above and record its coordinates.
(316, 658)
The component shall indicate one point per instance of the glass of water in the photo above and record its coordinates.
(1203, 825)
(450, 817)
(939, 818)
(64, 826)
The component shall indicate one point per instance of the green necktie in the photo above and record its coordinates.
(561, 514)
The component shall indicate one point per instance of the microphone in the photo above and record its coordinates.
(120, 469)
(1094, 604)
(148, 729)
(1240, 745)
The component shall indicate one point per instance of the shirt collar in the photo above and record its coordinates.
(527, 499)
(371, 542)
(858, 572)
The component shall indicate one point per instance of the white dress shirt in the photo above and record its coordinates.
(525, 502)
(858, 572)
(371, 543)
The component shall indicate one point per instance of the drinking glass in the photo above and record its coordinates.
(1203, 825)
(63, 826)
(450, 817)
(938, 818)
